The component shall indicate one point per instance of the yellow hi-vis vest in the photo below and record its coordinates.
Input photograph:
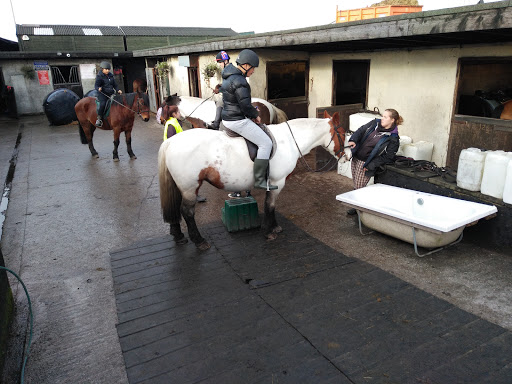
(174, 122)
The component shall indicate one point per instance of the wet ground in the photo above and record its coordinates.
(67, 212)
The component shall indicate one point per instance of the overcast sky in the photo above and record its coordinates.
(242, 16)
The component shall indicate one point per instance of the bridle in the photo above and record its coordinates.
(337, 154)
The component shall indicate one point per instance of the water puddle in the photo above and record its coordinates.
(7, 186)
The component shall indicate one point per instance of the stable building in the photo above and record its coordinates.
(67, 56)
(430, 66)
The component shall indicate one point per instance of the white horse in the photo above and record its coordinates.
(186, 160)
(205, 109)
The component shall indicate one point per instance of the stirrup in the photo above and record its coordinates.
(234, 195)
(99, 123)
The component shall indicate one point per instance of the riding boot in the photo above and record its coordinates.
(218, 117)
(260, 175)
(99, 121)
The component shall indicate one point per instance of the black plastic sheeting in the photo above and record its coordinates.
(92, 93)
(59, 106)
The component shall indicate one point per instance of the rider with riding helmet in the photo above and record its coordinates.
(222, 59)
(240, 116)
(106, 86)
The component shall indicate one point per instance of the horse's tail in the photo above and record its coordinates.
(279, 116)
(83, 139)
(170, 195)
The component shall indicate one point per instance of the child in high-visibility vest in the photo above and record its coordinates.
(171, 114)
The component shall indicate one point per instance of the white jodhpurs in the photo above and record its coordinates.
(252, 132)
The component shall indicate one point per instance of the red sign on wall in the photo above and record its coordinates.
(44, 79)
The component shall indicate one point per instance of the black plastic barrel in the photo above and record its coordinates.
(59, 106)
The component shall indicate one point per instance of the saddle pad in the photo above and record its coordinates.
(107, 106)
(253, 148)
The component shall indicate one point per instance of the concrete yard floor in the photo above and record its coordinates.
(67, 211)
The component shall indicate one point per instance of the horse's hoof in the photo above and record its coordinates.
(116, 159)
(95, 156)
(181, 241)
(271, 236)
(133, 157)
(277, 229)
(203, 246)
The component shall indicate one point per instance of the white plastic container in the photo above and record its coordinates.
(404, 140)
(421, 150)
(495, 171)
(507, 191)
(357, 120)
(471, 169)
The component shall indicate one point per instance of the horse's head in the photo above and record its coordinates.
(173, 100)
(338, 135)
(143, 106)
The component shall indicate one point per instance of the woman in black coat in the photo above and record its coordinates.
(373, 145)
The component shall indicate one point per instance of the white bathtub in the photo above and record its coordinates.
(418, 218)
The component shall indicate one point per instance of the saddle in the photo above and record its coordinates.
(108, 104)
(253, 148)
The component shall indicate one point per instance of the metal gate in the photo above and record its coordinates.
(67, 76)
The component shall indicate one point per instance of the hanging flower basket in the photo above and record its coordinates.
(162, 69)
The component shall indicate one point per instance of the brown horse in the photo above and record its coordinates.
(507, 110)
(120, 119)
(140, 85)
(195, 123)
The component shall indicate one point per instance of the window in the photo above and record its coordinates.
(286, 79)
(350, 82)
(484, 87)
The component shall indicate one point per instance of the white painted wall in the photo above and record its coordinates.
(29, 93)
(178, 78)
(419, 84)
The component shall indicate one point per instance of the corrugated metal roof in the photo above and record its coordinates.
(177, 31)
(65, 30)
(98, 30)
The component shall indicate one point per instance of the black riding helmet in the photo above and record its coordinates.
(105, 65)
(248, 57)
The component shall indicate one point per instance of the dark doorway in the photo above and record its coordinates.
(193, 77)
(350, 82)
(287, 83)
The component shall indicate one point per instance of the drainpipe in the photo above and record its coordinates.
(124, 39)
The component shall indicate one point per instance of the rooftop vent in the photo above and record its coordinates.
(43, 31)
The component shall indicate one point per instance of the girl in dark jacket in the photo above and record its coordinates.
(106, 86)
(374, 144)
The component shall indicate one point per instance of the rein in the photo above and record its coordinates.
(124, 106)
(190, 114)
(336, 154)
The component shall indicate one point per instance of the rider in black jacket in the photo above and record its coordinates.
(106, 86)
(240, 116)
